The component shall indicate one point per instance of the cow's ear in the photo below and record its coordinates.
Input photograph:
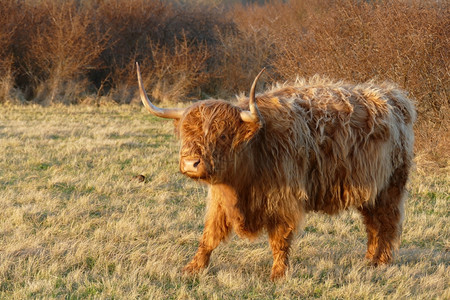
(246, 132)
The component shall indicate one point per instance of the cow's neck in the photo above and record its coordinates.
(240, 209)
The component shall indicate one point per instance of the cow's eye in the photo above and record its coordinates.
(223, 137)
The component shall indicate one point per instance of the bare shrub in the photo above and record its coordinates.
(130, 24)
(157, 33)
(244, 50)
(174, 73)
(8, 26)
(62, 50)
(6, 79)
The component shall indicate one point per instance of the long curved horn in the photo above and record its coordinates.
(168, 113)
(253, 116)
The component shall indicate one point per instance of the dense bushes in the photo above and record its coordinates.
(72, 51)
(68, 50)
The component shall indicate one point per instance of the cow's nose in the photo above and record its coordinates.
(190, 165)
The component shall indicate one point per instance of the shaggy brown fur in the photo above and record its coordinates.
(323, 146)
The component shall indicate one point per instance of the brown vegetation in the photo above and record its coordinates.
(73, 51)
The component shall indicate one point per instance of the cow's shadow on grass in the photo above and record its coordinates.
(223, 261)
(414, 255)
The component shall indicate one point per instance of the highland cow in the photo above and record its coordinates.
(312, 145)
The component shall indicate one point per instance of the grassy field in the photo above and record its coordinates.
(75, 223)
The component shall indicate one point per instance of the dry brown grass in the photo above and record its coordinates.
(74, 223)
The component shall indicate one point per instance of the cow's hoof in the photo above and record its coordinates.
(369, 256)
(192, 268)
(277, 274)
(379, 261)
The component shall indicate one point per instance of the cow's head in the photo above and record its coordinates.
(212, 133)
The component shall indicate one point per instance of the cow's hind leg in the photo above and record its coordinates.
(280, 237)
(216, 229)
(372, 228)
(383, 220)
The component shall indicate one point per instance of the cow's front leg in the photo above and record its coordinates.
(280, 237)
(216, 229)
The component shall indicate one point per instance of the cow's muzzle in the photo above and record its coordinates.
(193, 167)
